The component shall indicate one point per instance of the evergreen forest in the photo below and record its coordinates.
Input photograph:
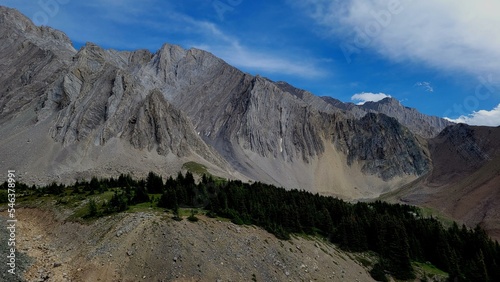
(398, 234)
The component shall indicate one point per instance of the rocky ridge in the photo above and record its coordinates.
(423, 125)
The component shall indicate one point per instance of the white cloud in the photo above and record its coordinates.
(482, 117)
(368, 97)
(456, 35)
(426, 85)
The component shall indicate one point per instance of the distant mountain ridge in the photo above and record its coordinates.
(423, 125)
(104, 112)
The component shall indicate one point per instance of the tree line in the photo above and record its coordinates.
(397, 233)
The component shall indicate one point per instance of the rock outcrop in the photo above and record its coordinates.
(388, 148)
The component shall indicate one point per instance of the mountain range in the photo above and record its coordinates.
(68, 114)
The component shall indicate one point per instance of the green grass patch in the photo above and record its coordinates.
(80, 213)
(74, 200)
(81, 206)
(143, 207)
(185, 211)
(429, 269)
(195, 168)
(429, 212)
(192, 217)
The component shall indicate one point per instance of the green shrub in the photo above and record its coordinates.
(193, 217)
(92, 206)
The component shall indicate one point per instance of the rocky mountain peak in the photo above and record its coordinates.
(462, 138)
(423, 125)
(386, 101)
(13, 25)
(285, 86)
(15, 20)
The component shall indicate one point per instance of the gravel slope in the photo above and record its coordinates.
(153, 247)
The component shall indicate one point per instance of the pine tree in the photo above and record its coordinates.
(140, 195)
(94, 184)
(399, 263)
(92, 207)
(154, 183)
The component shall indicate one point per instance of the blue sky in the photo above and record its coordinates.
(441, 57)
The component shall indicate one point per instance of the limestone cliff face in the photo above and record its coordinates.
(32, 57)
(423, 125)
(179, 105)
(387, 148)
(155, 123)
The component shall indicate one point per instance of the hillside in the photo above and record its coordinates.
(464, 181)
(111, 217)
(150, 246)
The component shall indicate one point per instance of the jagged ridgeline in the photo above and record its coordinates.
(399, 234)
(97, 112)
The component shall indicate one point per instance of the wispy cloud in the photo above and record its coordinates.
(482, 117)
(230, 48)
(364, 97)
(262, 61)
(451, 35)
(426, 85)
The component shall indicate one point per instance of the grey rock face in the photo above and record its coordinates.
(388, 148)
(32, 57)
(158, 124)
